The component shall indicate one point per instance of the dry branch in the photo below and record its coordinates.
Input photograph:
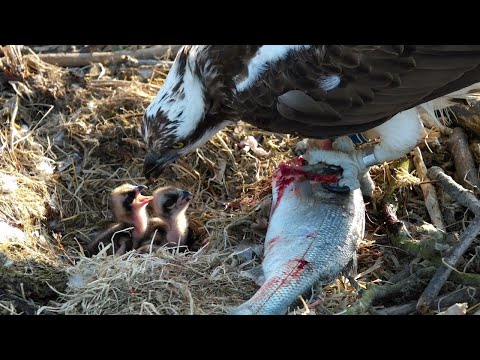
(468, 294)
(376, 292)
(429, 193)
(468, 117)
(455, 191)
(428, 247)
(445, 270)
(466, 173)
(82, 59)
(466, 198)
(475, 149)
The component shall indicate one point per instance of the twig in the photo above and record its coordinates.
(450, 261)
(429, 193)
(36, 125)
(376, 292)
(475, 149)
(429, 247)
(445, 270)
(12, 122)
(27, 306)
(466, 174)
(454, 190)
(468, 117)
(403, 309)
(465, 278)
(467, 199)
(462, 295)
(82, 59)
(151, 62)
(426, 248)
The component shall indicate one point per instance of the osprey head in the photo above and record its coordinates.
(185, 114)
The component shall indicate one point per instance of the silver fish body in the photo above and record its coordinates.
(312, 236)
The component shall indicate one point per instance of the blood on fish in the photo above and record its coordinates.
(300, 266)
(268, 289)
(322, 178)
(286, 173)
(271, 243)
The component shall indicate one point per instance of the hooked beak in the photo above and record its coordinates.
(185, 197)
(154, 165)
(141, 200)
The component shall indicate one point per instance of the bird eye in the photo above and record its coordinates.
(169, 202)
(178, 145)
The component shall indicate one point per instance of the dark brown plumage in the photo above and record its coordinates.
(377, 82)
(317, 91)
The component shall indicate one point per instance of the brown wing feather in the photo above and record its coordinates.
(377, 81)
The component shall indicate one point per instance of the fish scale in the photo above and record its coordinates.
(312, 236)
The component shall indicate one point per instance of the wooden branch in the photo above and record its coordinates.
(431, 237)
(467, 199)
(429, 193)
(428, 248)
(454, 190)
(404, 309)
(82, 59)
(466, 173)
(475, 149)
(376, 292)
(463, 295)
(444, 271)
(465, 278)
(468, 117)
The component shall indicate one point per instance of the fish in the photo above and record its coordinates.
(312, 236)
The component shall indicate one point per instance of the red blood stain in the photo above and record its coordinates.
(286, 173)
(268, 289)
(322, 178)
(271, 243)
(300, 266)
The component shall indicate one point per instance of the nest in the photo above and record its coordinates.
(69, 136)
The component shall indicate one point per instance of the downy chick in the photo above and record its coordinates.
(170, 225)
(129, 208)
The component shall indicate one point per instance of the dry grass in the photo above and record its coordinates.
(69, 136)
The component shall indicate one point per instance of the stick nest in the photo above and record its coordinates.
(69, 136)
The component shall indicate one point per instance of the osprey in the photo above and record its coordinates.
(316, 91)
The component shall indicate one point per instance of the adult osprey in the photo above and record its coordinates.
(317, 91)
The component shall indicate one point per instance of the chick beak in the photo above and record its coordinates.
(141, 200)
(184, 197)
